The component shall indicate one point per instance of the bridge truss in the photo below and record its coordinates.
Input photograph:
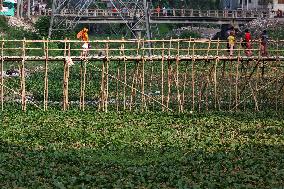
(138, 8)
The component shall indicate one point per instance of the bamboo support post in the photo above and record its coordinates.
(177, 79)
(65, 79)
(208, 49)
(277, 75)
(254, 97)
(46, 76)
(125, 74)
(143, 79)
(169, 74)
(81, 84)
(117, 89)
(101, 106)
(162, 70)
(133, 85)
(215, 78)
(2, 75)
(184, 88)
(107, 70)
(84, 84)
(236, 84)
(193, 77)
(23, 77)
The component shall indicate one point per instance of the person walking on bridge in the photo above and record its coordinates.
(264, 43)
(83, 35)
(248, 43)
(231, 42)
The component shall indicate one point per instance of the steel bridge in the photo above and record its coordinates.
(184, 16)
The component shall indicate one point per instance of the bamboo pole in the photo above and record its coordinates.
(193, 77)
(143, 78)
(102, 107)
(215, 79)
(133, 85)
(277, 75)
(254, 97)
(2, 77)
(169, 82)
(184, 88)
(236, 83)
(23, 77)
(84, 84)
(65, 79)
(81, 84)
(169, 74)
(188, 48)
(208, 49)
(177, 80)
(125, 74)
(107, 70)
(46, 76)
(162, 64)
(117, 89)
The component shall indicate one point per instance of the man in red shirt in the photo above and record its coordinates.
(248, 43)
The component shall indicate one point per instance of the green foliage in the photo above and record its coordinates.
(15, 33)
(147, 150)
(42, 26)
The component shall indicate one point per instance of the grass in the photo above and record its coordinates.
(74, 149)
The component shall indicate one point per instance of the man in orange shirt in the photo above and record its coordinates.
(83, 35)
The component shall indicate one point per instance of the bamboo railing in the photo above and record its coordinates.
(178, 75)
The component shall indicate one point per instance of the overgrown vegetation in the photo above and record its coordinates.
(145, 150)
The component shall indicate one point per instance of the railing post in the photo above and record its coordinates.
(2, 73)
(23, 81)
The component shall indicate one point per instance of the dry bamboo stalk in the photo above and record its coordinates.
(200, 96)
(162, 64)
(102, 107)
(107, 86)
(254, 97)
(46, 76)
(2, 77)
(81, 85)
(193, 77)
(65, 76)
(143, 79)
(188, 48)
(177, 80)
(124, 87)
(169, 74)
(84, 83)
(208, 49)
(184, 87)
(117, 89)
(277, 75)
(230, 81)
(151, 78)
(216, 98)
(125, 72)
(236, 84)
(107, 80)
(169, 83)
(23, 77)
(135, 73)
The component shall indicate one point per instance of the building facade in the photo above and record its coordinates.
(245, 4)
(278, 5)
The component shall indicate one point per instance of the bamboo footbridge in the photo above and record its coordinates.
(156, 75)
